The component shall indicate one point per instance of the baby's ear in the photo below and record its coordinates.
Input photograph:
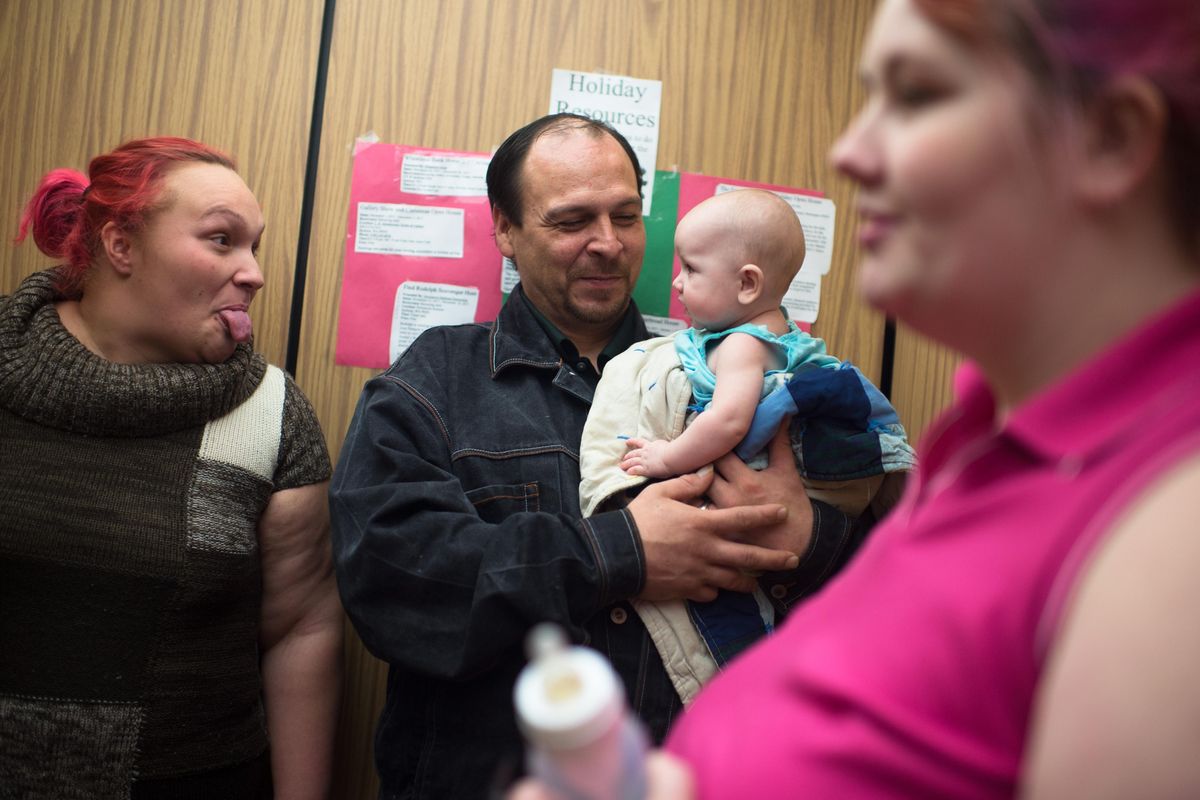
(750, 284)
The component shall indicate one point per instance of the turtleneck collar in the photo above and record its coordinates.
(47, 376)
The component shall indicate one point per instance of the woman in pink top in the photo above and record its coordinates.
(1023, 623)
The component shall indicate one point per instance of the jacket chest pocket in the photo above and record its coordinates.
(497, 502)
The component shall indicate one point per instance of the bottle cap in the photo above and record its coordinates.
(566, 697)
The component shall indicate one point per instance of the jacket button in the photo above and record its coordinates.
(618, 615)
(778, 591)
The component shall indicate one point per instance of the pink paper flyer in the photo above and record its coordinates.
(419, 249)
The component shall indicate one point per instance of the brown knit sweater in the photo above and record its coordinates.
(129, 574)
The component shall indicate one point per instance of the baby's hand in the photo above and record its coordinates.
(646, 458)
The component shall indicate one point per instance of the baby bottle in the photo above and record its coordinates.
(584, 744)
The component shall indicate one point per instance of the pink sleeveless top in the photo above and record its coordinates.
(913, 673)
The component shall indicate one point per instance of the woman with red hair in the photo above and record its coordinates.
(167, 605)
(1023, 621)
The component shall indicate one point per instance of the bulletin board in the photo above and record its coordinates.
(420, 249)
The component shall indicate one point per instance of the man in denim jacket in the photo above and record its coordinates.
(455, 502)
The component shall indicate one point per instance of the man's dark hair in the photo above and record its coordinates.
(504, 171)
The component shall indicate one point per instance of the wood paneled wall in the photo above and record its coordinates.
(82, 76)
(757, 89)
(922, 373)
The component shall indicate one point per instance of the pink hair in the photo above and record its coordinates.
(67, 212)
(1077, 45)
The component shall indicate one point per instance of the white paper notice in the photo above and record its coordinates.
(508, 274)
(631, 105)
(422, 305)
(406, 230)
(450, 176)
(663, 326)
(817, 218)
(803, 298)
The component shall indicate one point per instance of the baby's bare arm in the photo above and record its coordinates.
(739, 363)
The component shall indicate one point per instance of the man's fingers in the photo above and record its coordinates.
(749, 558)
(733, 580)
(728, 524)
(729, 469)
(727, 521)
(686, 487)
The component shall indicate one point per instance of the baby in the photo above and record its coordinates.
(739, 252)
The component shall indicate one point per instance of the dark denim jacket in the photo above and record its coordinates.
(456, 527)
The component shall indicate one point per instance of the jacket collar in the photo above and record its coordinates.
(519, 338)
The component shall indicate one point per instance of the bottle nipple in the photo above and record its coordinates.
(547, 646)
(566, 696)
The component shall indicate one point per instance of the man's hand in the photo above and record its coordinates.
(736, 484)
(645, 457)
(692, 552)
